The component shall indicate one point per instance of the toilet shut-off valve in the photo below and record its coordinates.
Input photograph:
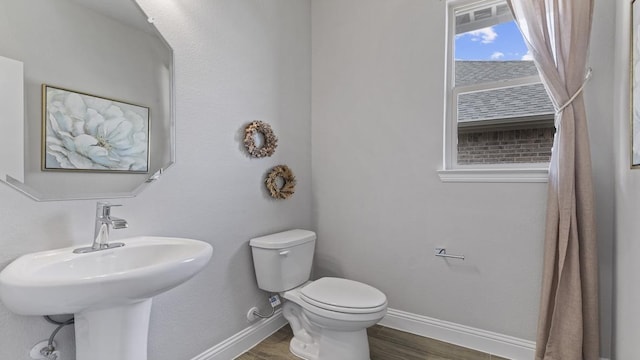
(44, 350)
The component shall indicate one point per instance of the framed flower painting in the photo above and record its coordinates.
(82, 132)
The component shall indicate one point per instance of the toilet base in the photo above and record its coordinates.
(303, 350)
(313, 342)
(332, 345)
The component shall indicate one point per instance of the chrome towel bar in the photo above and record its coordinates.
(442, 252)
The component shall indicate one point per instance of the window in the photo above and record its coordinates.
(498, 114)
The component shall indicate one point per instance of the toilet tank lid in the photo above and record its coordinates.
(283, 239)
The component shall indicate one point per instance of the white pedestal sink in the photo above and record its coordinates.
(108, 291)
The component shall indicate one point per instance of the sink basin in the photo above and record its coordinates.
(109, 291)
(61, 282)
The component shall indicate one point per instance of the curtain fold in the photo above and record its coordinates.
(557, 35)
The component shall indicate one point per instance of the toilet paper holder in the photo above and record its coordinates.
(442, 252)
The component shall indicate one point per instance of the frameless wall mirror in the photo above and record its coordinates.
(109, 50)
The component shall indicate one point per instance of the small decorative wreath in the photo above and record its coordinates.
(270, 139)
(289, 185)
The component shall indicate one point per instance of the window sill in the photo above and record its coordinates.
(536, 175)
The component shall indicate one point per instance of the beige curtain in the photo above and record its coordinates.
(557, 35)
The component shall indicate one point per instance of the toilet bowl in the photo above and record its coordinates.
(332, 322)
(328, 316)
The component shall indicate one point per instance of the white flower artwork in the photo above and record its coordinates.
(85, 132)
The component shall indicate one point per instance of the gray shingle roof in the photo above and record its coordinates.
(505, 103)
(475, 72)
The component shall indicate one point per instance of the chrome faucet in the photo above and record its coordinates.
(101, 233)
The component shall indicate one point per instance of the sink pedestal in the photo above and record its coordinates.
(113, 333)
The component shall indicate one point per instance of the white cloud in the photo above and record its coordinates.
(528, 56)
(497, 55)
(486, 35)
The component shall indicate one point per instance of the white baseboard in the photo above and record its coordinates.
(461, 335)
(482, 340)
(239, 343)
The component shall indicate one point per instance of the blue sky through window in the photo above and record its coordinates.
(499, 43)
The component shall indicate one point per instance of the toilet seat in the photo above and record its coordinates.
(336, 313)
(343, 296)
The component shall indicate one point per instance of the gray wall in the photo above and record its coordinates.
(379, 206)
(236, 61)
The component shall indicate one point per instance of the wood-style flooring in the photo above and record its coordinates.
(384, 343)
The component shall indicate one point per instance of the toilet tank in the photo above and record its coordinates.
(283, 260)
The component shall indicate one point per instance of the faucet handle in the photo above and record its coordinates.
(107, 204)
(103, 208)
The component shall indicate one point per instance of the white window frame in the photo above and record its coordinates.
(452, 171)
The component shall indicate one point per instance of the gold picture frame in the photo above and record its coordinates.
(89, 133)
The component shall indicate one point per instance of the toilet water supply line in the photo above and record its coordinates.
(274, 301)
(50, 348)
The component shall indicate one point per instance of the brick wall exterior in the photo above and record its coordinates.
(495, 146)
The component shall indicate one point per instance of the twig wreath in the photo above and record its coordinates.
(289, 182)
(270, 139)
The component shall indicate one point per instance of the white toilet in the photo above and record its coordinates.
(329, 316)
